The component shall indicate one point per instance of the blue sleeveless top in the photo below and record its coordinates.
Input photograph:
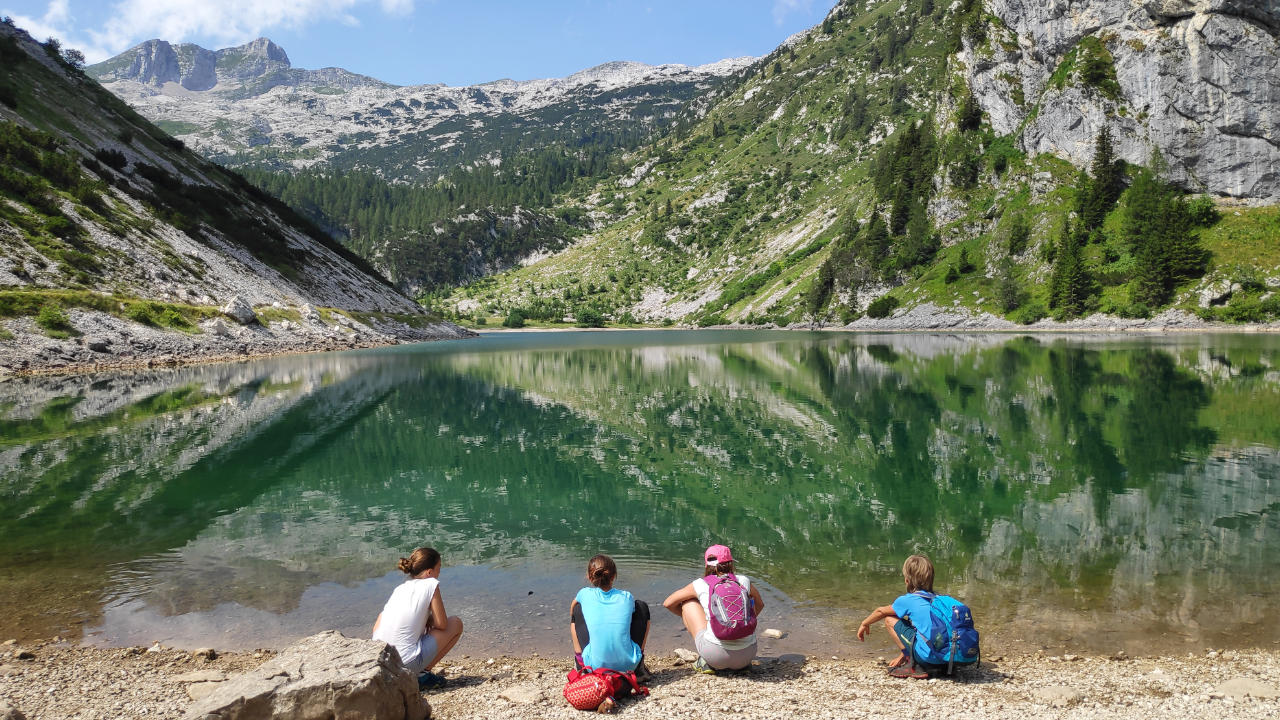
(608, 616)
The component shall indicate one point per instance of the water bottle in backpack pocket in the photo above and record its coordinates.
(952, 640)
(730, 610)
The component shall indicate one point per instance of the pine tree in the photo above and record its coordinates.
(1159, 229)
(1008, 289)
(1098, 190)
(1070, 285)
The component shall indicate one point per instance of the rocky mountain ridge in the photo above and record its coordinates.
(118, 246)
(247, 104)
(1198, 81)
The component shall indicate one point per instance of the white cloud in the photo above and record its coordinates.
(129, 22)
(783, 8)
(51, 24)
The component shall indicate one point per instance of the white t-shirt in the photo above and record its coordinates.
(404, 617)
(704, 591)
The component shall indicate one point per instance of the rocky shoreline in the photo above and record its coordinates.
(56, 679)
(105, 342)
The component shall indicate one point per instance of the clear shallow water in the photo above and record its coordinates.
(1086, 493)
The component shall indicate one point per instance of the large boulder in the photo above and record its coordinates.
(324, 677)
(240, 310)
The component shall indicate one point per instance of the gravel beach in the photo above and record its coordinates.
(58, 680)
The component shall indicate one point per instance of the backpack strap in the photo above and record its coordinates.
(630, 677)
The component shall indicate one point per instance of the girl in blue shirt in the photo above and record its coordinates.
(608, 626)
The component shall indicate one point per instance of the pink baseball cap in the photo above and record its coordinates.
(718, 554)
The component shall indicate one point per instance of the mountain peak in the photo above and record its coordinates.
(264, 48)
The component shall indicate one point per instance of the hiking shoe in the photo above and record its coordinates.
(701, 666)
(430, 681)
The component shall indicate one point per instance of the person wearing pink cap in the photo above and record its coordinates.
(693, 604)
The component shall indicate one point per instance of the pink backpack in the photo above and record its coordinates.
(729, 608)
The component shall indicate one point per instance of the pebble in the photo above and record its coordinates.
(525, 694)
(773, 633)
(686, 655)
(1057, 695)
(1240, 688)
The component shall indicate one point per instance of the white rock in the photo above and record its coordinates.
(240, 310)
(200, 690)
(1239, 688)
(1056, 695)
(773, 633)
(325, 675)
(686, 654)
(526, 694)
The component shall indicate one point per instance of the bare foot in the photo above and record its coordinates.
(607, 706)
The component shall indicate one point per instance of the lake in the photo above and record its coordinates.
(1094, 493)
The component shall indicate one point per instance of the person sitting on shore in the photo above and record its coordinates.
(414, 620)
(608, 626)
(911, 616)
(719, 610)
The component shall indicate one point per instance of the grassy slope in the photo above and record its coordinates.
(50, 245)
(788, 114)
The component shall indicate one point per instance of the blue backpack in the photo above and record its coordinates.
(951, 639)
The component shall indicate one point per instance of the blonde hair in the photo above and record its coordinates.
(918, 572)
(717, 568)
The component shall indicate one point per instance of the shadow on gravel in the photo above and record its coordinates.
(985, 674)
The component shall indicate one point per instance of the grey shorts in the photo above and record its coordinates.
(720, 658)
(427, 649)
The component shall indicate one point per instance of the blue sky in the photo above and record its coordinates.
(456, 42)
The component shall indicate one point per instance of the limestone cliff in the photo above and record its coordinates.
(1199, 80)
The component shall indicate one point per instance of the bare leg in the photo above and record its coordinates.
(889, 622)
(446, 638)
(695, 619)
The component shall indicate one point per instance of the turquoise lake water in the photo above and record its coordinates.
(1093, 493)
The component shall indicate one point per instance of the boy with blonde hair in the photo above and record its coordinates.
(907, 616)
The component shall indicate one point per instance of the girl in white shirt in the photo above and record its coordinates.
(691, 604)
(414, 621)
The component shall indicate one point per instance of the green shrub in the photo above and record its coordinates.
(514, 319)
(1243, 308)
(159, 315)
(882, 306)
(1202, 212)
(589, 317)
(712, 319)
(54, 321)
(111, 158)
(1029, 313)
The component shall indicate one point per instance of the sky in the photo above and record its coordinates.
(455, 42)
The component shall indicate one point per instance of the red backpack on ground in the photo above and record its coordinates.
(588, 687)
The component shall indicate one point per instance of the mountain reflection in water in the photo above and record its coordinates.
(1063, 487)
